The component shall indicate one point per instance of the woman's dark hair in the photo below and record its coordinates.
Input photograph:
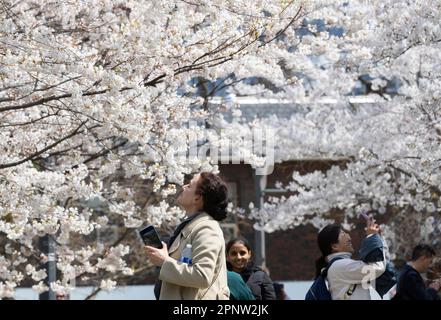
(325, 239)
(214, 193)
(279, 289)
(238, 240)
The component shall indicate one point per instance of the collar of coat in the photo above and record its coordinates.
(200, 217)
(344, 255)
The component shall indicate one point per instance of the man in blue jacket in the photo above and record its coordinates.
(411, 285)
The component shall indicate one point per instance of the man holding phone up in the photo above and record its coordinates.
(205, 200)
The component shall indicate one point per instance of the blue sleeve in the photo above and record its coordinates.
(371, 249)
(374, 256)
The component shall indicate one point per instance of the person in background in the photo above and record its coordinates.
(279, 288)
(411, 285)
(239, 259)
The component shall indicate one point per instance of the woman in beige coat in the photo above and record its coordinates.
(205, 200)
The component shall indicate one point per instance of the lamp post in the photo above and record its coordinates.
(259, 235)
(47, 246)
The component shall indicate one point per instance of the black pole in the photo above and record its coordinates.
(47, 246)
(259, 235)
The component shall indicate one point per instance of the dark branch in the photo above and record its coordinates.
(282, 31)
(13, 164)
(52, 98)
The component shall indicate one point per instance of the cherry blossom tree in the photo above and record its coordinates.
(94, 93)
(389, 147)
(97, 94)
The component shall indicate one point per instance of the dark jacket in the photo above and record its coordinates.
(411, 286)
(259, 282)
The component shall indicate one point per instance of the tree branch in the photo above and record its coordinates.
(104, 152)
(53, 97)
(13, 164)
(282, 31)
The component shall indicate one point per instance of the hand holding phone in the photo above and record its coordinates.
(371, 227)
(368, 218)
(150, 237)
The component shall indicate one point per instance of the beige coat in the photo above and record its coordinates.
(206, 277)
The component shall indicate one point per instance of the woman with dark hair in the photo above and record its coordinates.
(348, 279)
(204, 200)
(326, 238)
(239, 259)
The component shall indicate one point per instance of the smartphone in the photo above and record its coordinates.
(364, 215)
(150, 237)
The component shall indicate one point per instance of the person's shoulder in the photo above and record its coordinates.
(413, 274)
(205, 230)
(205, 222)
(342, 261)
(234, 276)
(344, 264)
(209, 227)
(408, 271)
(259, 273)
(255, 269)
